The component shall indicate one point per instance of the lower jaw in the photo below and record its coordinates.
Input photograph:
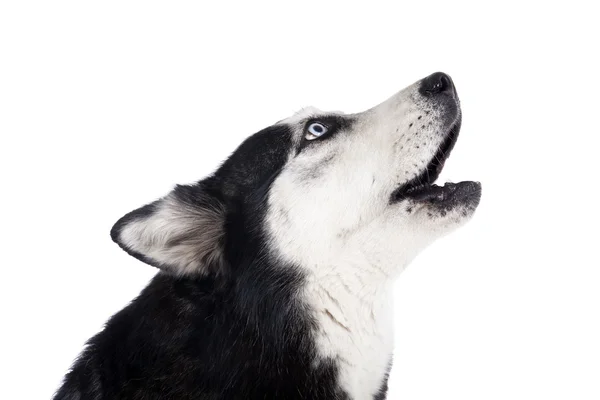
(450, 194)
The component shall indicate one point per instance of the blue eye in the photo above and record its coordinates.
(315, 130)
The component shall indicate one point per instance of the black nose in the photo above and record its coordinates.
(436, 83)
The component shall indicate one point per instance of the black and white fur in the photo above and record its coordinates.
(277, 270)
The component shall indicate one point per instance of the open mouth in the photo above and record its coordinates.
(423, 189)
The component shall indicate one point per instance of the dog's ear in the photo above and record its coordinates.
(182, 233)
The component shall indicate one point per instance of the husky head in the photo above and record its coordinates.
(318, 189)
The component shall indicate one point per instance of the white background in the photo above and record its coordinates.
(105, 105)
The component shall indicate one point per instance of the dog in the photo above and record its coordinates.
(276, 271)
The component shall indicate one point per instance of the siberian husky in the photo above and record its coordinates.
(276, 271)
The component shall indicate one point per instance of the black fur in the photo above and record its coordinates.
(382, 394)
(240, 332)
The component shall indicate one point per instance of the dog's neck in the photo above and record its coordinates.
(355, 327)
(348, 279)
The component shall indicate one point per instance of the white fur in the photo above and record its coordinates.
(337, 223)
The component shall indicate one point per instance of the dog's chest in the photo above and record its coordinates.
(355, 330)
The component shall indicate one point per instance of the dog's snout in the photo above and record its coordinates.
(436, 83)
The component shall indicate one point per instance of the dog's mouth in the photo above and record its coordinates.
(422, 187)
